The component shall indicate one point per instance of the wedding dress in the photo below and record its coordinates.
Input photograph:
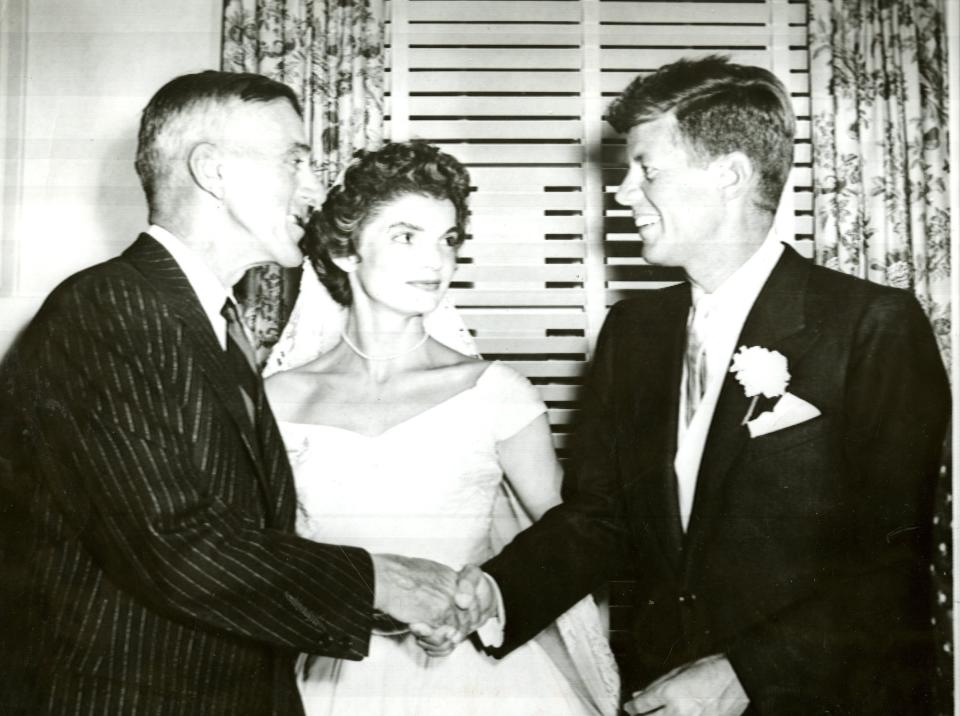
(432, 487)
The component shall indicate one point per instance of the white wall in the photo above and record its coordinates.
(75, 75)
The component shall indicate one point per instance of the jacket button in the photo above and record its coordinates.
(687, 598)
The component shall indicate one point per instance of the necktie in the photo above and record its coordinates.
(695, 359)
(241, 360)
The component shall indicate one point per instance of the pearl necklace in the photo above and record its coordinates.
(367, 356)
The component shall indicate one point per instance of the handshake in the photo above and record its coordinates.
(442, 606)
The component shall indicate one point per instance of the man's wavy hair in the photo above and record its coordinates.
(373, 179)
(720, 108)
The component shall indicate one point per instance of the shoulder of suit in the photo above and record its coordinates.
(653, 299)
(115, 283)
(845, 290)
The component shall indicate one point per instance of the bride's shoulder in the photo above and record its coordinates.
(444, 357)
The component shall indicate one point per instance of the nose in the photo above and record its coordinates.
(629, 192)
(431, 255)
(308, 186)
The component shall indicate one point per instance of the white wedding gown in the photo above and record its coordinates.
(426, 488)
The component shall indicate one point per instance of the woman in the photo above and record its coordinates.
(400, 443)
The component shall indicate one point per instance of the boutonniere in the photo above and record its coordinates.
(761, 372)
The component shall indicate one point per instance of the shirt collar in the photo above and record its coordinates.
(741, 288)
(210, 292)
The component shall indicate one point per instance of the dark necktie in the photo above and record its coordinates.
(242, 361)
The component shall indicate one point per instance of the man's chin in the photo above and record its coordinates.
(649, 253)
(291, 257)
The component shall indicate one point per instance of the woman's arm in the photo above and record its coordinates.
(531, 466)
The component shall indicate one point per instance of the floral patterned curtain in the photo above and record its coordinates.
(878, 71)
(331, 52)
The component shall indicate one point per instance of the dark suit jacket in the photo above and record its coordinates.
(806, 557)
(150, 564)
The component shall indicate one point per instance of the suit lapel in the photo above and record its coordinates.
(655, 355)
(278, 473)
(159, 267)
(778, 322)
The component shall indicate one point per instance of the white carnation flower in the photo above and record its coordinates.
(760, 370)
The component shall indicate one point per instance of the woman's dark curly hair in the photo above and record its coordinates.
(371, 180)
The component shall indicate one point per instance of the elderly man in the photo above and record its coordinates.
(150, 564)
(759, 444)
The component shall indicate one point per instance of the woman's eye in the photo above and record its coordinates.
(451, 240)
(404, 238)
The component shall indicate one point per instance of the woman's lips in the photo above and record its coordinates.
(425, 285)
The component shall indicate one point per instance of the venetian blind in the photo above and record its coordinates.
(516, 89)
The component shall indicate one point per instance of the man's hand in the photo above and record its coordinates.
(414, 591)
(707, 687)
(475, 603)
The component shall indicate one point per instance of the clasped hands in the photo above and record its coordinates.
(441, 606)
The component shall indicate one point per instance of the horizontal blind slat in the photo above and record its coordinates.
(461, 106)
(531, 346)
(614, 81)
(495, 129)
(515, 153)
(566, 273)
(649, 58)
(733, 13)
(502, 81)
(716, 37)
(517, 297)
(491, 11)
(467, 34)
(495, 58)
(490, 251)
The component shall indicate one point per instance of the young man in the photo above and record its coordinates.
(759, 445)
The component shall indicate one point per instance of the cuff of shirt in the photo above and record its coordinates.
(490, 632)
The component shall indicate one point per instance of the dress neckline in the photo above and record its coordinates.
(426, 411)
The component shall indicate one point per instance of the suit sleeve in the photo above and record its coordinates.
(122, 459)
(866, 631)
(577, 545)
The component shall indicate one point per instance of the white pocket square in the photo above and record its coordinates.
(789, 411)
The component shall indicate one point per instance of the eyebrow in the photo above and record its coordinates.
(405, 225)
(414, 227)
(298, 148)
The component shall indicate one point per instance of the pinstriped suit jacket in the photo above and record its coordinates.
(150, 565)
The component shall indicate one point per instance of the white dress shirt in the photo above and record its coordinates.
(210, 292)
(725, 311)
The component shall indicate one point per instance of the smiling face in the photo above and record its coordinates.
(675, 197)
(407, 251)
(268, 183)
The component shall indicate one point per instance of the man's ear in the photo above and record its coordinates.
(737, 174)
(206, 169)
(347, 264)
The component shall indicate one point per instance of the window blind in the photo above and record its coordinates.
(516, 89)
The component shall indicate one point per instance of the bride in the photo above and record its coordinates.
(401, 443)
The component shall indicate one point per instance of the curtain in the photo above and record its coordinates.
(878, 74)
(331, 52)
